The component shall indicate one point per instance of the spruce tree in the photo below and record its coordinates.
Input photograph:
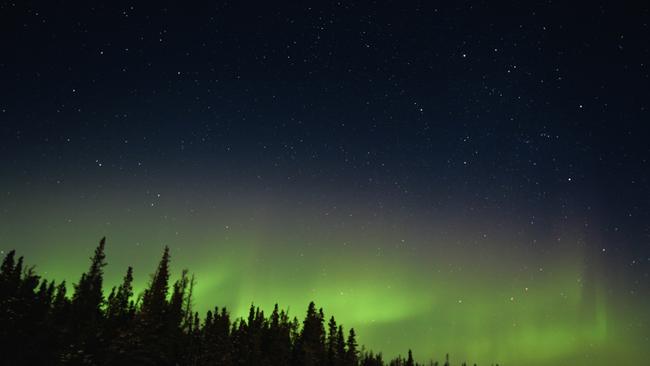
(154, 323)
(332, 343)
(119, 306)
(86, 305)
(340, 346)
(88, 296)
(7, 268)
(154, 300)
(8, 288)
(310, 347)
(10, 310)
(59, 316)
(277, 342)
(352, 352)
(409, 360)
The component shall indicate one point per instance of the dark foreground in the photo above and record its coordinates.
(41, 325)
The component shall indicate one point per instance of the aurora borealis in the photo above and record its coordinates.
(461, 294)
(464, 179)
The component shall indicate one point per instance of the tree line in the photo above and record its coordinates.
(41, 324)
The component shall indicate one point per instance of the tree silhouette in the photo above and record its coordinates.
(41, 325)
(120, 307)
(155, 326)
(340, 346)
(88, 296)
(86, 305)
(154, 300)
(310, 346)
(332, 343)
(351, 358)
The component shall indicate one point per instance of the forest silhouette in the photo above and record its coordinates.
(40, 324)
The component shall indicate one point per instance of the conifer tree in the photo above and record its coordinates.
(86, 305)
(352, 352)
(176, 315)
(409, 360)
(8, 288)
(119, 305)
(310, 347)
(159, 320)
(10, 278)
(294, 330)
(60, 302)
(7, 269)
(154, 300)
(277, 343)
(340, 346)
(88, 296)
(218, 339)
(59, 316)
(332, 343)
(11, 313)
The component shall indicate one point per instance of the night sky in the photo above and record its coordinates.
(471, 179)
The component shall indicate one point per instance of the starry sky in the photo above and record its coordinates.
(466, 177)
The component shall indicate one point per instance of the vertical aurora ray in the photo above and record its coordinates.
(400, 286)
(467, 178)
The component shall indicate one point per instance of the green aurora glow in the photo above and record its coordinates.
(400, 282)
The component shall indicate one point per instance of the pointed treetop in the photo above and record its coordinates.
(154, 299)
(8, 263)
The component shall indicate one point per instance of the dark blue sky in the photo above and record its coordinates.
(514, 105)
